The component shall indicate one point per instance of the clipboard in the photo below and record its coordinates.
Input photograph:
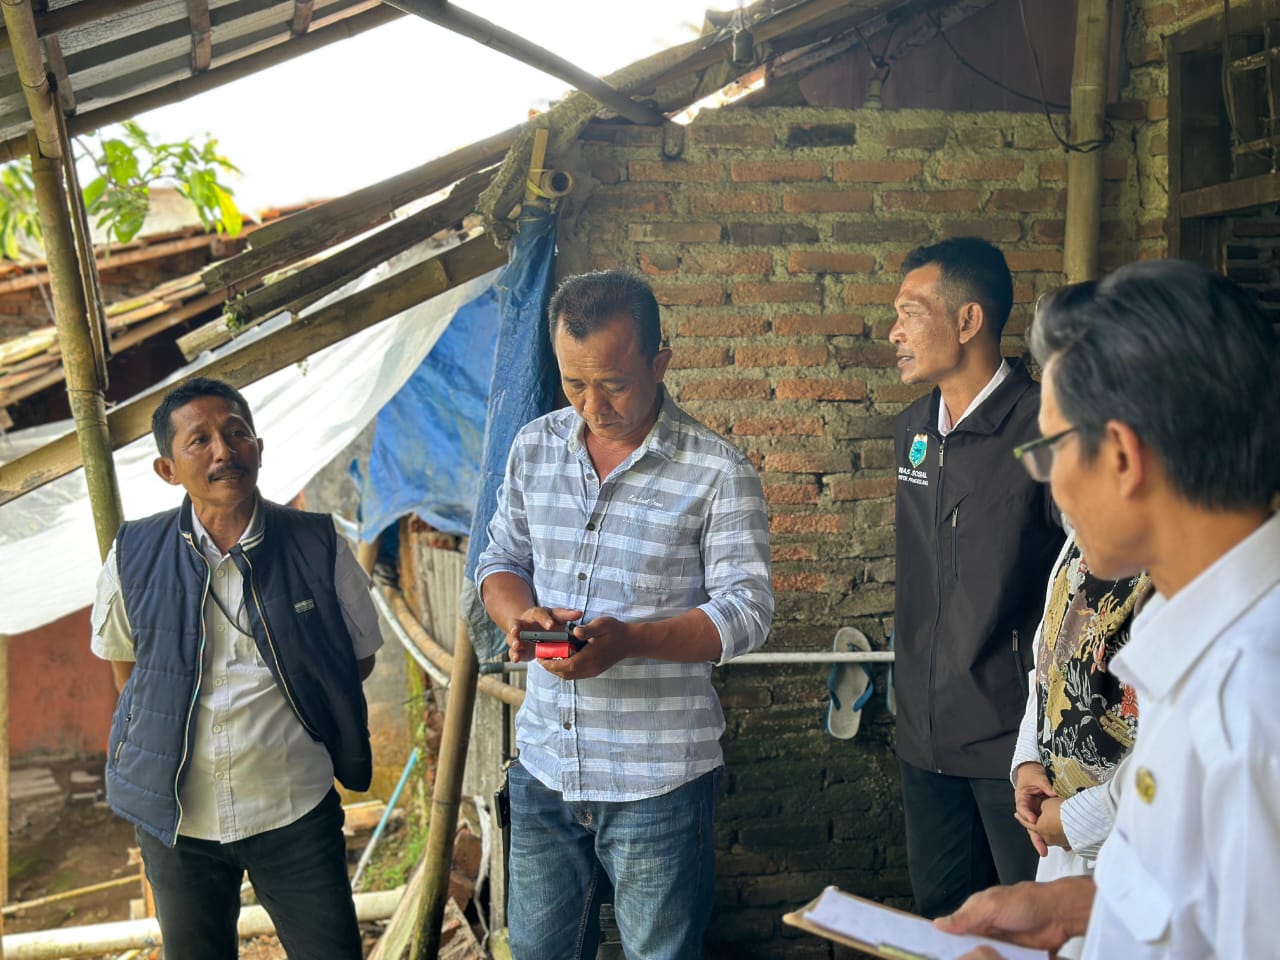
(885, 932)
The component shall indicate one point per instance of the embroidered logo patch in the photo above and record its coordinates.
(302, 606)
(919, 448)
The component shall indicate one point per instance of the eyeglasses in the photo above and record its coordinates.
(1037, 456)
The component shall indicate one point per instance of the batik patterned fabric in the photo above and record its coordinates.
(1087, 718)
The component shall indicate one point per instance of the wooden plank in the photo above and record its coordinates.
(77, 15)
(165, 321)
(58, 67)
(201, 35)
(129, 421)
(284, 241)
(1231, 197)
(112, 260)
(1207, 33)
(128, 107)
(301, 16)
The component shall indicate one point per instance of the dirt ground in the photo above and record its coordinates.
(70, 840)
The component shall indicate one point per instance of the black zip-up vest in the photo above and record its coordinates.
(300, 633)
(976, 538)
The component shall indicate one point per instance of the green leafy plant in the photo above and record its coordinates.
(129, 164)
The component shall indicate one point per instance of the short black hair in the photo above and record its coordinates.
(184, 393)
(588, 301)
(1182, 356)
(973, 271)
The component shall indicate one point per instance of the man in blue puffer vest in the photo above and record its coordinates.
(239, 633)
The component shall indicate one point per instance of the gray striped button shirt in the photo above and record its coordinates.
(681, 523)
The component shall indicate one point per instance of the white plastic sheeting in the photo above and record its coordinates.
(306, 414)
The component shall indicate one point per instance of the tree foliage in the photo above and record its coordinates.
(128, 164)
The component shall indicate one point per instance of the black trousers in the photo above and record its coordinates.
(961, 838)
(299, 873)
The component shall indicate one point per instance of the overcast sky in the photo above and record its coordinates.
(366, 108)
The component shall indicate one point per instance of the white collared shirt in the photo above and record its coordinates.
(1192, 866)
(253, 767)
(945, 426)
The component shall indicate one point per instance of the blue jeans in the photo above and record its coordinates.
(658, 855)
(299, 873)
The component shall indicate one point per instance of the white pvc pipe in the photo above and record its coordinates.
(101, 938)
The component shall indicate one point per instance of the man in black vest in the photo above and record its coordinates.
(975, 541)
(239, 633)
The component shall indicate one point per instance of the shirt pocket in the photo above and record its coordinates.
(1134, 897)
(652, 551)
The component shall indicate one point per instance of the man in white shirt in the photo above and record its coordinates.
(239, 633)
(1159, 421)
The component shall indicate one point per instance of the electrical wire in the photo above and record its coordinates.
(1086, 146)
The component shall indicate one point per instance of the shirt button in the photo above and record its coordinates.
(220, 775)
(582, 576)
(222, 573)
(219, 628)
(568, 725)
(591, 524)
(217, 728)
(219, 682)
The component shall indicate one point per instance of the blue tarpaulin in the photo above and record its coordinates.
(522, 387)
(428, 440)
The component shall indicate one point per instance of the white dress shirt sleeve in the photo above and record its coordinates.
(1088, 816)
(351, 584)
(111, 636)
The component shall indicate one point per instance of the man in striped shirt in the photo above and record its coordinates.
(623, 514)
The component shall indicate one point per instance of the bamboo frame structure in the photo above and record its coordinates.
(1088, 116)
(20, 28)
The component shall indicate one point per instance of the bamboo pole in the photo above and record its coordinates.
(20, 26)
(1084, 169)
(518, 48)
(88, 407)
(446, 796)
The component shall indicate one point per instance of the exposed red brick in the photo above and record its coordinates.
(686, 357)
(1113, 168)
(783, 292)
(866, 489)
(800, 582)
(1158, 108)
(994, 231)
(606, 172)
(1049, 231)
(622, 134)
(1028, 201)
(867, 354)
(689, 294)
(880, 231)
(1151, 229)
(673, 232)
(791, 492)
(631, 201)
(829, 261)
(819, 324)
(744, 202)
(731, 135)
(775, 171)
(879, 293)
(982, 138)
(986, 169)
(1130, 110)
(827, 201)
(789, 552)
(738, 388)
(811, 389)
(674, 171)
(717, 324)
(804, 523)
(658, 264)
(806, 462)
(877, 453)
(1046, 261)
(1037, 137)
(930, 201)
(877, 171)
(780, 355)
(604, 261)
(728, 262)
(774, 426)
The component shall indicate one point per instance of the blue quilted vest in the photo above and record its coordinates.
(296, 621)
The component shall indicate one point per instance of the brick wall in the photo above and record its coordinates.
(774, 240)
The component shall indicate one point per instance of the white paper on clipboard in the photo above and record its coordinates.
(897, 933)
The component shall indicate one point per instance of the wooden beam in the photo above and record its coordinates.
(301, 16)
(58, 67)
(305, 336)
(1230, 197)
(201, 35)
(513, 45)
(77, 15)
(285, 241)
(20, 26)
(215, 77)
(170, 318)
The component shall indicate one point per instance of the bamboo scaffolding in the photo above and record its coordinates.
(1088, 117)
(128, 421)
(20, 28)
